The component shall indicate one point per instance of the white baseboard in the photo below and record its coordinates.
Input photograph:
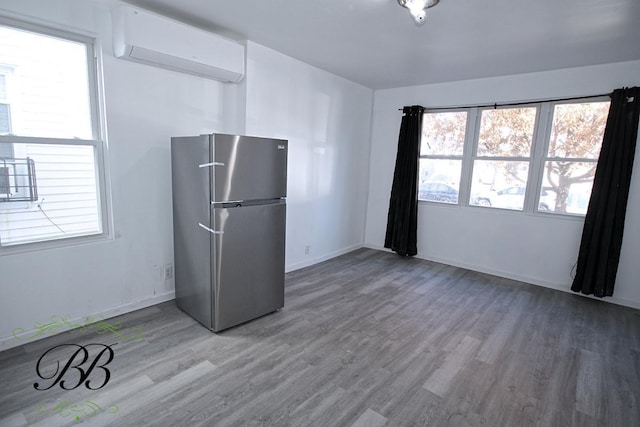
(321, 258)
(513, 276)
(376, 247)
(10, 342)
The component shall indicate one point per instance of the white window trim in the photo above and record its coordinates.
(529, 159)
(464, 157)
(98, 125)
(544, 147)
(537, 159)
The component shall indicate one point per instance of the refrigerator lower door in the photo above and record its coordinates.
(248, 262)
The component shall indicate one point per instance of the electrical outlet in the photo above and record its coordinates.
(307, 249)
(168, 271)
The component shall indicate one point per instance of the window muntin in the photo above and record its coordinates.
(574, 145)
(441, 153)
(55, 125)
(498, 167)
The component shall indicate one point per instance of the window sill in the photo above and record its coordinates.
(69, 242)
(500, 211)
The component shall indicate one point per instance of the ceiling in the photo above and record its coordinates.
(376, 43)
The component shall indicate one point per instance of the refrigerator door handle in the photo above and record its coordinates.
(206, 165)
(210, 230)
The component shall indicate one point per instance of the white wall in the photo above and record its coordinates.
(531, 248)
(325, 118)
(145, 106)
(327, 122)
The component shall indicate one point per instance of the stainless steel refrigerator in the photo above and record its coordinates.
(229, 212)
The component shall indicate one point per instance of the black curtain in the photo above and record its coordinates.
(402, 220)
(604, 223)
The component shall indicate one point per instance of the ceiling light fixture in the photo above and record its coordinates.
(418, 8)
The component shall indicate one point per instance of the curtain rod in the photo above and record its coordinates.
(513, 104)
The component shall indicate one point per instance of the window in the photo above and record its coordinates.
(51, 151)
(533, 158)
(441, 150)
(572, 156)
(503, 154)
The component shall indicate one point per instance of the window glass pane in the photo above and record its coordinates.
(443, 133)
(578, 129)
(67, 194)
(499, 184)
(50, 85)
(506, 132)
(6, 149)
(5, 125)
(566, 187)
(439, 180)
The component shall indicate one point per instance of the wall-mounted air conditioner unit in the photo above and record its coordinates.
(142, 36)
(18, 180)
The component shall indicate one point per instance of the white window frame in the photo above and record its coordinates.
(464, 157)
(542, 157)
(537, 159)
(529, 159)
(98, 140)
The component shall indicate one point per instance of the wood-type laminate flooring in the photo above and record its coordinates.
(367, 339)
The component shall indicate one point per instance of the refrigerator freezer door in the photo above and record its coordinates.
(248, 168)
(248, 264)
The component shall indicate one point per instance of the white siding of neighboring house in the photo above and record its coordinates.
(66, 185)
